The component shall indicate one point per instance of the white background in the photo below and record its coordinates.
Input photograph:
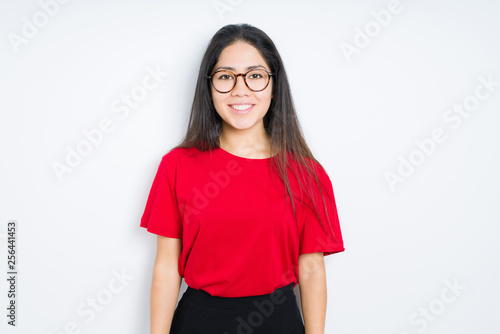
(359, 118)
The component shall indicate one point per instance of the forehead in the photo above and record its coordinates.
(240, 56)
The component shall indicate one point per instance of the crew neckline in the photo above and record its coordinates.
(243, 158)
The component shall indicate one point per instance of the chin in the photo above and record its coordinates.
(241, 125)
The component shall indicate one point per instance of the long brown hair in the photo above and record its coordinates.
(280, 122)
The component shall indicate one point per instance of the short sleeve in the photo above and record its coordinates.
(317, 234)
(161, 215)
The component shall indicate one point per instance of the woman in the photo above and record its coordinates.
(242, 209)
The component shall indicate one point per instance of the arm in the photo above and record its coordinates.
(166, 284)
(312, 282)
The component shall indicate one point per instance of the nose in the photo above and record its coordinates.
(240, 89)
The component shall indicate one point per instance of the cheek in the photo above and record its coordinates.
(265, 97)
(267, 94)
(217, 100)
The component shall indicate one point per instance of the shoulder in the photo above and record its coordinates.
(314, 166)
(180, 155)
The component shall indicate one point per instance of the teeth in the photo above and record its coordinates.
(241, 106)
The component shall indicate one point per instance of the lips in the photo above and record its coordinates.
(241, 107)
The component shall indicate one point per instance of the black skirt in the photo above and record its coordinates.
(198, 312)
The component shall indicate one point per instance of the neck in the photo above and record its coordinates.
(249, 143)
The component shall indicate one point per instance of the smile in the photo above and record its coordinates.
(241, 109)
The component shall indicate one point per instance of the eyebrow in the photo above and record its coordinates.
(232, 68)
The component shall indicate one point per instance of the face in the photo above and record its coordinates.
(240, 56)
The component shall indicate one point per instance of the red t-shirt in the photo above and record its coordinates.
(235, 219)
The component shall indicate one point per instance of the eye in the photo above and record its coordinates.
(256, 76)
(224, 76)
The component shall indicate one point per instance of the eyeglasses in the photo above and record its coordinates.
(224, 81)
